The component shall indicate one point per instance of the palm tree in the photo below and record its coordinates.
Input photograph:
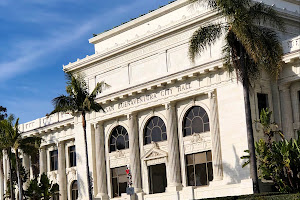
(249, 49)
(79, 100)
(11, 139)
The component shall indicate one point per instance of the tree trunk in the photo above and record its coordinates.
(12, 192)
(253, 166)
(87, 157)
(18, 175)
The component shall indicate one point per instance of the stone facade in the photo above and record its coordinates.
(146, 65)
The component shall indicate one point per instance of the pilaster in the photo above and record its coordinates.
(173, 149)
(100, 162)
(135, 164)
(215, 137)
(43, 160)
(62, 170)
(286, 111)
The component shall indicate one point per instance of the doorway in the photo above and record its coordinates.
(157, 178)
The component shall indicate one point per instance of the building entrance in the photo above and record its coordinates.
(157, 178)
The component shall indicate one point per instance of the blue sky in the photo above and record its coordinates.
(38, 36)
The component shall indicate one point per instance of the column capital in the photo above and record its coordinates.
(97, 124)
(131, 115)
(60, 143)
(170, 105)
(212, 94)
(284, 86)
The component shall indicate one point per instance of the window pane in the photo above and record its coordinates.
(200, 158)
(123, 179)
(201, 176)
(156, 134)
(210, 171)
(115, 187)
(147, 140)
(195, 121)
(209, 156)
(191, 175)
(190, 159)
(197, 125)
(158, 178)
(120, 142)
(122, 188)
(262, 101)
(164, 136)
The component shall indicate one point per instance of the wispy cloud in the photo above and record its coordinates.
(30, 53)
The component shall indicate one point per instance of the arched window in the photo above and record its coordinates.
(74, 190)
(195, 121)
(118, 139)
(155, 130)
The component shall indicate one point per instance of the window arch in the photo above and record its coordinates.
(155, 130)
(195, 121)
(118, 139)
(74, 190)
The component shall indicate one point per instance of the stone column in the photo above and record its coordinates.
(2, 180)
(5, 171)
(26, 164)
(100, 161)
(215, 137)
(135, 164)
(62, 170)
(43, 160)
(173, 149)
(286, 111)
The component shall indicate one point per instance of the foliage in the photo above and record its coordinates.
(12, 141)
(79, 98)
(3, 113)
(79, 101)
(277, 161)
(249, 46)
(281, 163)
(41, 189)
(269, 128)
(266, 196)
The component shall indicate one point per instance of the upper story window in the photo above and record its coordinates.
(53, 160)
(195, 121)
(199, 168)
(74, 190)
(72, 156)
(262, 102)
(119, 181)
(118, 139)
(155, 130)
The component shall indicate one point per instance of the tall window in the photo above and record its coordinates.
(53, 160)
(195, 121)
(157, 178)
(299, 102)
(262, 102)
(72, 156)
(199, 168)
(155, 130)
(119, 181)
(118, 139)
(74, 190)
(55, 196)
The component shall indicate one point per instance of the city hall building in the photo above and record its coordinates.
(179, 125)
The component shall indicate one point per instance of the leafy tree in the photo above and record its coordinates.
(41, 189)
(249, 48)
(11, 139)
(79, 100)
(3, 114)
(280, 162)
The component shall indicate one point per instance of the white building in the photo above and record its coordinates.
(179, 125)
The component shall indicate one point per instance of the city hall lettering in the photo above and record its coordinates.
(153, 96)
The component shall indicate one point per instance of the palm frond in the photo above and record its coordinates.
(96, 106)
(97, 89)
(266, 15)
(63, 103)
(30, 145)
(210, 3)
(202, 38)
